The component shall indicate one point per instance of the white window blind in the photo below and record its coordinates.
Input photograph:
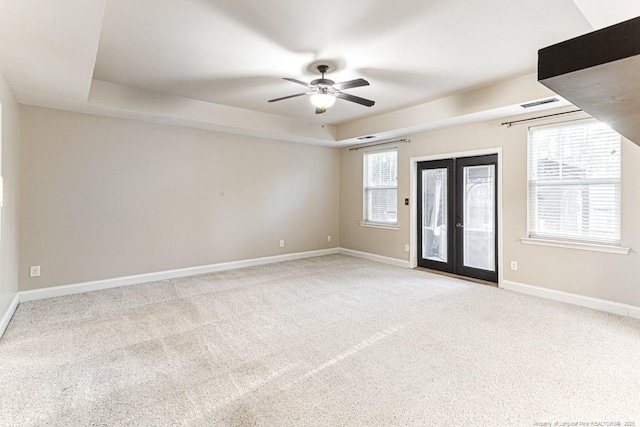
(381, 187)
(574, 182)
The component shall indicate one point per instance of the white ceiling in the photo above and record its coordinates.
(228, 56)
(235, 52)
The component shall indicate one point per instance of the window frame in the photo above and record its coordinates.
(365, 188)
(542, 239)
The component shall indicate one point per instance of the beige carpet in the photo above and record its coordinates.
(323, 341)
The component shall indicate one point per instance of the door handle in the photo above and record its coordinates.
(459, 225)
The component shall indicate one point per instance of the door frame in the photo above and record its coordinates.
(413, 205)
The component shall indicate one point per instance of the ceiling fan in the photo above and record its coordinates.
(324, 92)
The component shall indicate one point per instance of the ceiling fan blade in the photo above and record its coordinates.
(287, 97)
(296, 81)
(356, 99)
(351, 83)
(321, 110)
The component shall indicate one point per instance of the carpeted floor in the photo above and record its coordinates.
(326, 341)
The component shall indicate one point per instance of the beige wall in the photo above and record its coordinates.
(105, 198)
(595, 274)
(10, 211)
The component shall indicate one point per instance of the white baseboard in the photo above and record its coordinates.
(581, 300)
(374, 257)
(6, 318)
(78, 288)
(634, 312)
(57, 291)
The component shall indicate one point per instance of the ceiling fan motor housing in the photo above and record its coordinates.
(322, 83)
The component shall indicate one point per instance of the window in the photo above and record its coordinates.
(381, 187)
(574, 182)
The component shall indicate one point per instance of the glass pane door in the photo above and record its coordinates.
(434, 214)
(479, 231)
(476, 214)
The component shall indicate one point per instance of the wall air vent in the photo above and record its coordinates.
(536, 103)
(364, 138)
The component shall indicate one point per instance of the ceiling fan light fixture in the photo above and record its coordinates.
(323, 100)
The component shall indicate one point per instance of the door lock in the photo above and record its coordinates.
(459, 225)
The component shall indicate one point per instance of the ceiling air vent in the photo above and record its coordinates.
(536, 103)
(364, 138)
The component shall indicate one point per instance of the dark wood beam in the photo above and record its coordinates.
(600, 73)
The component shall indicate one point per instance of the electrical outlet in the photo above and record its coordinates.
(406, 248)
(514, 265)
(34, 271)
(282, 243)
(328, 238)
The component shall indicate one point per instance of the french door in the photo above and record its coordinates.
(458, 217)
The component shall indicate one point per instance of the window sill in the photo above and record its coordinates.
(575, 245)
(379, 225)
